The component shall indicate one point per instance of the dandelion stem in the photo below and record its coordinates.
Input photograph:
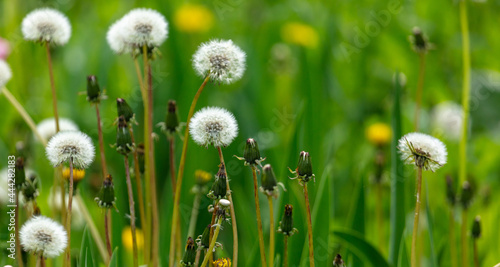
(212, 243)
(212, 222)
(380, 218)
(476, 254)
(465, 89)
(194, 214)
(271, 231)
(415, 221)
(42, 260)
(171, 141)
(197, 259)
(107, 216)
(233, 217)
(132, 210)
(68, 215)
(420, 87)
(16, 232)
(259, 219)
(309, 227)
(285, 252)
(93, 229)
(137, 173)
(465, 260)
(180, 174)
(52, 86)
(101, 141)
(453, 248)
(20, 109)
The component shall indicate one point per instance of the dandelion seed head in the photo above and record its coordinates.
(43, 235)
(66, 145)
(213, 126)
(423, 150)
(221, 59)
(47, 127)
(447, 118)
(46, 25)
(5, 73)
(141, 27)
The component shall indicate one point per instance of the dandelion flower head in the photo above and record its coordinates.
(423, 150)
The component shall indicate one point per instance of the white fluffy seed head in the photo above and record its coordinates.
(47, 127)
(221, 59)
(116, 40)
(66, 145)
(423, 150)
(46, 25)
(43, 235)
(447, 119)
(5, 73)
(213, 126)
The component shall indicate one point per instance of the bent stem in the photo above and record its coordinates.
(180, 174)
(271, 231)
(309, 227)
(453, 248)
(132, 210)
(233, 217)
(465, 260)
(285, 252)
(465, 89)
(26, 117)
(93, 229)
(259, 219)
(212, 243)
(415, 221)
(420, 87)
(68, 215)
(107, 216)
(52, 86)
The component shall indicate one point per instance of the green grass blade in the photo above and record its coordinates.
(357, 217)
(397, 179)
(403, 260)
(86, 251)
(360, 247)
(433, 260)
(113, 262)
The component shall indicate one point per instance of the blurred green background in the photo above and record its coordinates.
(318, 74)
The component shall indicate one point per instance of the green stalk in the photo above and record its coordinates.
(194, 214)
(16, 232)
(180, 174)
(465, 89)
(285, 252)
(420, 88)
(309, 227)
(271, 231)
(453, 248)
(52, 86)
(68, 215)
(212, 243)
(415, 221)
(476, 254)
(465, 260)
(132, 211)
(262, 247)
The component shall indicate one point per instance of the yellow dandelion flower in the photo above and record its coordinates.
(226, 262)
(379, 134)
(193, 18)
(127, 238)
(300, 34)
(202, 177)
(78, 174)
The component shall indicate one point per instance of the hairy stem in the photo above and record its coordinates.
(212, 243)
(462, 171)
(309, 227)
(415, 221)
(271, 231)
(52, 86)
(259, 218)
(180, 174)
(420, 88)
(132, 211)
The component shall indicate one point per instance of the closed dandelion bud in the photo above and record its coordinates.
(338, 262)
(93, 89)
(286, 224)
(476, 227)
(450, 191)
(268, 179)
(20, 174)
(190, 254)
(304, 168)
(106, 196)
(466, 196)
(123, 140)
(140, 157)
(219, 187)
(252, 153)
(124, 109)
(30, 188)
(205, 237)
(172, 118)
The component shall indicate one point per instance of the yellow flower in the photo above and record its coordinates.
(193, 18)
(78, 174)
(379, 134)
(300, 34)
(226, 262)
(127, 238)
(202, 177)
